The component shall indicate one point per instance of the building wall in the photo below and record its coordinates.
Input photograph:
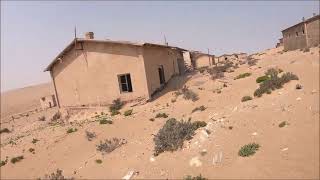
(313, 32)
(91, 76)
(155, 56)
(293, 41)
(203, 61)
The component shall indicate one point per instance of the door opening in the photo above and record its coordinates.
(161, 74)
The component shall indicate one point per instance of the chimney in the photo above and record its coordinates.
(89, 35)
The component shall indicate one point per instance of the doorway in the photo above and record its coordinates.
(161, 74)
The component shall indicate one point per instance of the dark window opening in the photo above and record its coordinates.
(303, 31)
(125, 83)
(297, 34)
(161, 74)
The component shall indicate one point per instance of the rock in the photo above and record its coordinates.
(254, 134)
(152, 159)
(298, 86)
(284, 149)
(195, 161)
(128, 175)
(203, 152)
(279, 93)
(298, 98)
(313, 91)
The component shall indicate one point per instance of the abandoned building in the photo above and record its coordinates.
(302, 35)
(230, 57)
(95, 72)
(47, 102)
(199, 59)
(280, 43)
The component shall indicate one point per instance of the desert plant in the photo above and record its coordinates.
(114, 112)
(283, 123)
(4, 162)
(194, 178)
(151, 119)
(4, 130)
(172, 135)
(248, 149)
(116, 105)
(109, 145)
(128, 112)
(189, 94)
(56, 116)
(240, 76)
(90, 135)
(262, 78)
(98, 161)
(230, 127)
(161, 115)
(71, 130)
(42, 118)
(274, 81)
(200, 108)
(298, 86)
(34, 140)
(32, 150)
(56, 176)
(105, 121)
(246, 98)
(198, 124)
(16, 159)
(252, 61)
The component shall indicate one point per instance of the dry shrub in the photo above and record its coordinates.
(16, 159)
(173, 133)
(246, 98)
(194, 178)
(56, 176)
(90, 135)
(243, 75)
(251, 61)
(109, 145)
(128, 112)
(187, 94)
(200, 108)
(116, 105)
(274, 81)
(4, 130)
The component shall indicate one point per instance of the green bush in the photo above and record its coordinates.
(246, 98)
(283, 123)
(240, 76)
(128, 112)
(105, 121)
(71, 130)
(114, 112)
(200, 108)
(248, 150)
(274, 82)
(16, 159)
(173, 133)
(116, 105)
(98, 161)
(194, 178)
(4, 130)
(262, 78)
(161, 115)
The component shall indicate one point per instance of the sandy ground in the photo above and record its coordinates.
(291, 152)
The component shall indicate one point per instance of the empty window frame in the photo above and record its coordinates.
(297, 34)
(125, 83)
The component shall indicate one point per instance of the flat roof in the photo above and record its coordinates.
(305, 21)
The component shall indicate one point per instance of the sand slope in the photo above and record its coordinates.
(288, 152)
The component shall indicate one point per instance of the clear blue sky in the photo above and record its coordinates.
(33, 33)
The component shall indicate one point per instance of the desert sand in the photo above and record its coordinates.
(288, 152)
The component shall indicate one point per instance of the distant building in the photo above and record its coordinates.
(200, 59)
(231, 57)
(93, 72)
(48, 102)
(280, 43)
(302, 35)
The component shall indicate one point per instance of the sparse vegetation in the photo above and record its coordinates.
(114, 112)
(98, 161)
(4, 130)
(274, 81)
(161, 115)
(56, 116)
(16, 159)
(128, 112)
(116, 105)
(252, 61)
(71, 130)
(34, 141)
(172, 135)
(109, 145)
(240, 76)
(262, 78)
(56, 176)
(248, 150)
(246, 98)
(4, 162)
(283, 123)
(90, 135)
(194, 178)
(200, 108)
(230, 127)
(151, 119)
(105, 121)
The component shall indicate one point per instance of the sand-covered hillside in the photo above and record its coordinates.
(283, 122)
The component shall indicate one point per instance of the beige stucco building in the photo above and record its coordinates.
(95, 72)
(302, 35)
(199, 59)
